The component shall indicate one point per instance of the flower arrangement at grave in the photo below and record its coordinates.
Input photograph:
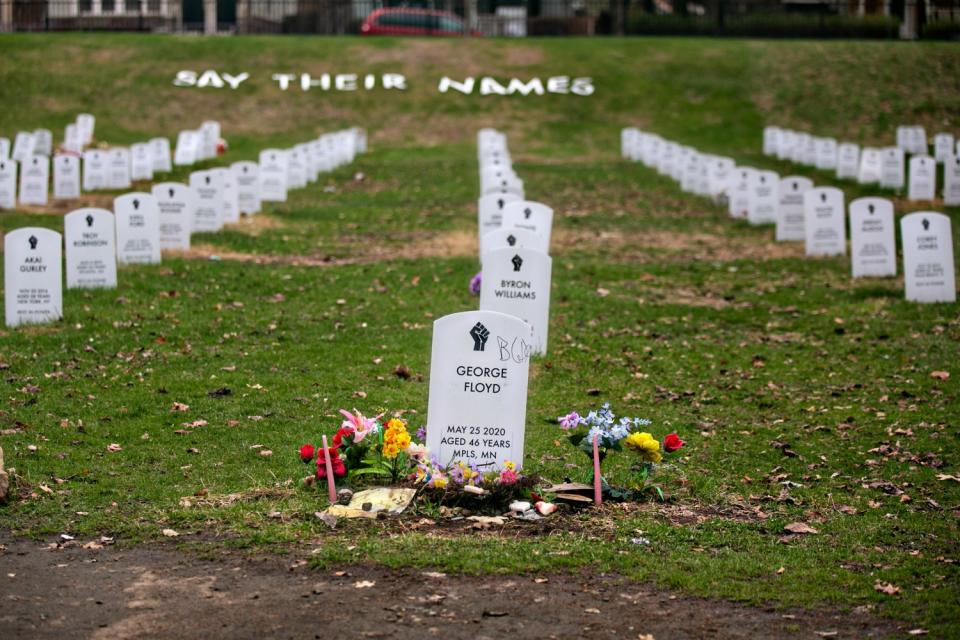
(600, 433)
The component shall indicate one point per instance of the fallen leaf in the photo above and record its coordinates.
(940, 375)
(781, 570)
(603, 293)
(364, 584)
(170, 533)
(266, 453)
(917, 632)
(591, 610)
(113, 447)
(799, 527)
(886, 587)
(179, 406)
(944, 477)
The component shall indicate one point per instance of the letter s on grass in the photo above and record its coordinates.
(185, 78)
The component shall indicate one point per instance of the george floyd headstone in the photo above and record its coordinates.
(34, 180)
(86, 123)
(247, 177)
(118, 168)
(23, 146)
(763, 198)
(923, 178)
(891, 168)
(208, 213)
(871, 162)
(8, 183)
(228, 194)
(951, 180)
(160, 152)
(32, 276)
(826, 154)
(942, 146)
(873, 250)
(94, 170)
(273, 175)
(176, 203)
(476, 411)
(66, 177)
(141, 161)
(43, 142)
(90, 238)
(138, 228)
(516, 281)
(848, 160)
(738, 193)
(516, 238)
(824, 222)
(187, 151)
(790, 213)
(532, 216)
(928, 268)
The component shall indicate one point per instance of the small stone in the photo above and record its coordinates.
(344, 496)
(545, 508)
(520, 506)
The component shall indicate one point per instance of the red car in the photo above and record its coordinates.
(402, 21)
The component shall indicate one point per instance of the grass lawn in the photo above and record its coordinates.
(706, 326)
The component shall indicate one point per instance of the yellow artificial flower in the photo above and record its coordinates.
(390, 450)
(395, 424)
(440, 483)
(645, 445)
(509, 466)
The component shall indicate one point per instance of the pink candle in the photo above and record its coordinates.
(597, 497)
(331, 487)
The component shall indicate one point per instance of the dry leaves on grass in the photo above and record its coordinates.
(180, 407)
(113, 447)
(799, 528)
(940, 375)
(886, 587)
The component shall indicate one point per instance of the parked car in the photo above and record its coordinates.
(401, 21)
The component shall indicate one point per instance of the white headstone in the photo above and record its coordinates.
(738, 193)
(951, 180)
(848, 160)
(94, 170)
(43, 142)
(296, 169)
(942, 146)
(209, 136)
(873, 250)
(763, 198)
(176, 204)
(810, 152)
(32, 276)
(516, 281)
(246, 175)
(490, 212)
(532, 216)
(86, 123)
(188, 148)
(228, 195)
(8, 183)
(208, 213)
(273, 175)
(719, 169)
(23, 146)
(923, 178)
(90, 238)
(66, 177)
(801, 145)
(917, 141)
(138, 228)
(788, 140)
(4, 148)
(928, 270)
(824, 222)
(34, 180)
(871, 163)
(477, 409)
(72, 142)
(771, 140)
(826, 153)
(141, 161)
(891, 169)
(160, 152)
(690, 177)
(118, 168)
(516, 238)
(790, 213)
(506, 184)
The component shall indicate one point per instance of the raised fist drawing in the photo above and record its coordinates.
(479, 333)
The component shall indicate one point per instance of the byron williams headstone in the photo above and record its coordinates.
(91, 249)
(790, 214)
(873, 250)
(66, 177)
(273, 175)
(824, 222)
(34, 180)
(532, 216)
(32, 276)
(928, 270)
(8, 183)
(208, 214)
(923, 178)
(478, 389)
(516, 281)
(138, 228)
(176, 203)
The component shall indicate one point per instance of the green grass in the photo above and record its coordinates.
(697, 303)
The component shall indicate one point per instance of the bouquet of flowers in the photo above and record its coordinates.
(612, 434)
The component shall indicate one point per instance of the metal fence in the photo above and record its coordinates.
(501, 18)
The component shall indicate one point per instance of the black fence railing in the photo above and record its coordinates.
(497, 18)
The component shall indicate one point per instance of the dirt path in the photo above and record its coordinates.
(153, 591)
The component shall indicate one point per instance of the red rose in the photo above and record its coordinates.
(339, 469)
(339, 435)
(306, 453)
(672, 442)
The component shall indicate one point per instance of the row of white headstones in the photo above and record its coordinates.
(77, 170)
(814, 215)
(884, 166)
(142, 224)
(479, 365)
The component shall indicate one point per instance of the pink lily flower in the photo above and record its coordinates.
(360, 425)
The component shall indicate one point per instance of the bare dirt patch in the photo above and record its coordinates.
(157, 592)
(255, 225)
